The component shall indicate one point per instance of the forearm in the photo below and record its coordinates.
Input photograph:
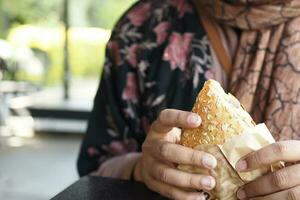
(118, 167)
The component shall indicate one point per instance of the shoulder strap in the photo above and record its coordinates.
(215, 39)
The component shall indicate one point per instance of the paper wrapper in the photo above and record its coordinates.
(228, 179)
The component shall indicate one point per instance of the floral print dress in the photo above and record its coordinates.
(158, 57)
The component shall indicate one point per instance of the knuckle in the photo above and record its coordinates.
(280, 179)
(164, 150)
(256, 159)
(195, 182)
(149, 184)
(145, 147)
(192, 182)
(163, 114)
(292, 195)
(170, 193)
(162, 175)
(160, 116)
(195, 158)
(152, 126)
(252, 188)
(177, 117)
(279, 148)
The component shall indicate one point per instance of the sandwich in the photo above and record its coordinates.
(228, 132)
(222, 117)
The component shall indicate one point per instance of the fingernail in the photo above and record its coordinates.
(241, 165)
(194, 119)
(241, 194)
(209, 161)
(201, 197)
(208, 182)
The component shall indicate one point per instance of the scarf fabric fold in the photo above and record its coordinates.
(265, 74)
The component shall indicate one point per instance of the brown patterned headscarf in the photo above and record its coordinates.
(266, 64)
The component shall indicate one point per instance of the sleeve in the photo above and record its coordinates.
(114, 126)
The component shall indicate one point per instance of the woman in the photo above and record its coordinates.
(158, 58)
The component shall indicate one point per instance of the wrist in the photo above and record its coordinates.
(137, 171)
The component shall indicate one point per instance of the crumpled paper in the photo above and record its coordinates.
(235, 148)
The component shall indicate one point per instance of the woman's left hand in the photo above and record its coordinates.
(282, 184)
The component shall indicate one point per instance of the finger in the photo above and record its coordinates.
(288, 151)
(170, 118)
(291, 194)
(172, 192)
(171, 176)
(274, 182)
(178, 154)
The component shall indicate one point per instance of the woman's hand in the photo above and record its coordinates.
(160, 156)
(282, 184)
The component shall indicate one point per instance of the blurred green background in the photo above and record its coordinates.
(37, 24)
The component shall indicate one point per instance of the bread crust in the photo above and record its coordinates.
(222, 117)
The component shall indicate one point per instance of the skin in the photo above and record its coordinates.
(282, 184)
(161, 154)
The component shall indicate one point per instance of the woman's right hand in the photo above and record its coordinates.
(161, 154)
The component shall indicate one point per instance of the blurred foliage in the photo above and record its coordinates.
(86, 48)
(37, 24)
(114, 10)
(100, 13)
(19, 12)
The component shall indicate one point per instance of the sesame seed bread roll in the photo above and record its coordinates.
(228, 132)
(222, 117)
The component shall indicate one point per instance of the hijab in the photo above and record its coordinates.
(265, 71)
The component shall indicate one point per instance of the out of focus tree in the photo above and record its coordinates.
(99, 13)
(42, 30)
(105, 13)
(16, 12)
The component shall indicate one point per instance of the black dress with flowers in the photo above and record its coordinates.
(158, 57)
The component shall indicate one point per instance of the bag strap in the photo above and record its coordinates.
(214, 37)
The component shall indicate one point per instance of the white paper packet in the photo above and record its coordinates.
(235, 148)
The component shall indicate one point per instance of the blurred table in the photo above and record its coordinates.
(96, 188)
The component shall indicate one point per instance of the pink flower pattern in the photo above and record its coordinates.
(161, 32)
(145, 37)
(209, 74)
(178, 49)
(132, 55)
(116, 148)
(139, 14)
(92, 152)
(130, 92)
(182, 7)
